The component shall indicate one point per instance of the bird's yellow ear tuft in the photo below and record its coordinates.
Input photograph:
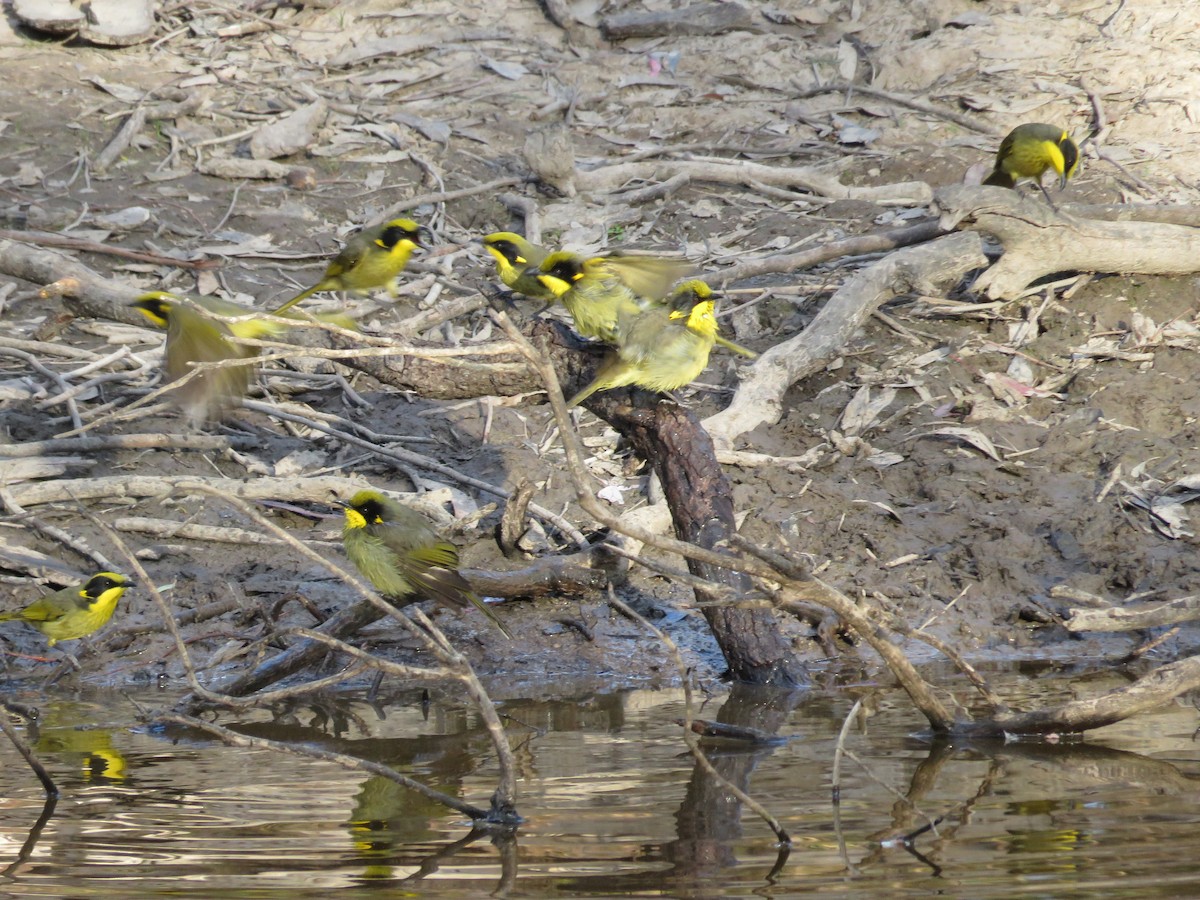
(702, 317)
(520, 259)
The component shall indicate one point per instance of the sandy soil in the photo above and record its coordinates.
(931, 525)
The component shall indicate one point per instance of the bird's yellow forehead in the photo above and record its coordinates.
(354, 519)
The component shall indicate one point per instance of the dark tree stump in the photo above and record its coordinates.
(673, 441)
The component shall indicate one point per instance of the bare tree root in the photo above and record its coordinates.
(1039, 241)
(759, 398)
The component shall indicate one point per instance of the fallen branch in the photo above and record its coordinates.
(1152, 690)
(125, 442)
(759, 397)
(855, 246)
(316, 489)
(43, 239)
(607, 179)
(1135, 618)
(1038, 241)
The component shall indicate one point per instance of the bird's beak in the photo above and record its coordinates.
(424, 234)
(1062, 181)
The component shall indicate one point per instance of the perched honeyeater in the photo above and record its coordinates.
(193, 337)
(661, 348)
(600, 290)
(517, 262)
(73, 612)
(1029, 151)
(396, 549)
(372, 258)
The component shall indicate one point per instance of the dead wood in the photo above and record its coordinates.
(878, 242)
(107, 442)
(1133, 618)
(1135, 212)
(316, 489)
(345, 623)
(89, 293)
(701, 500)
(549, 576)
(1152, 690)
(59, 240)
(821, 181)
(1038, 241)
(460, 378)
(924, 269)
(697, 19)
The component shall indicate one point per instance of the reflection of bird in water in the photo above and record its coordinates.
(388, 816)
(90, 748)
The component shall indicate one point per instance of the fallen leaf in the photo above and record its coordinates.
(972, 436)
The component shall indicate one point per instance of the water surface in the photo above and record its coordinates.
(614, 804)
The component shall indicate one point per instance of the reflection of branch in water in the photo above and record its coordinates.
(234, 739)
(35, 834)
(38, 769)
(707, 822)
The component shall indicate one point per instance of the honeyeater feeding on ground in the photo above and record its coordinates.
(661, 348)
(73, 612)
(600, 290)
(193, 337)
(1029, 151)
(372, 258)
(396, 549)
(517, 262)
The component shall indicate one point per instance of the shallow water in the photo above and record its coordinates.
(614, 804)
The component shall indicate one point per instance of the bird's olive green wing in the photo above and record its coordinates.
(192, 339)
(433, 572)
(646, 276)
